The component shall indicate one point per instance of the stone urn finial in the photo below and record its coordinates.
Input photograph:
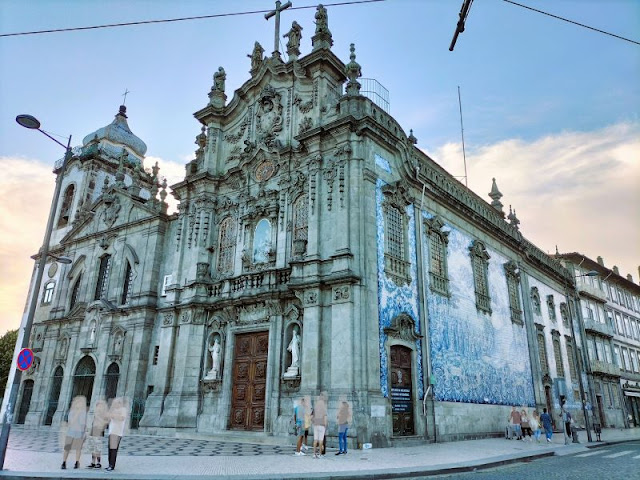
(353, 72)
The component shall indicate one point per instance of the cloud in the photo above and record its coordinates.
(26, 188)
(577, 190)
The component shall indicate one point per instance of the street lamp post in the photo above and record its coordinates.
(28, 121)
(583, 336)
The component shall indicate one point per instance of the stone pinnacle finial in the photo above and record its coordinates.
(412, 138)
(353, 72)
(513, 220)
(496, 196)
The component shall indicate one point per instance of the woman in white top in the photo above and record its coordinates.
(77, 424)
(117, 421)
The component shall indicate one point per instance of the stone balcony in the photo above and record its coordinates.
(603, 368)
(590, 325)
(593, 292)
(251, 283)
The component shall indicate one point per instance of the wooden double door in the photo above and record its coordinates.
(249, 381)
(401, 391)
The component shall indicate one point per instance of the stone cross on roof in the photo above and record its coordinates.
(124, 95)
(276, 38)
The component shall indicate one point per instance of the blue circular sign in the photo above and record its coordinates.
(25, 359)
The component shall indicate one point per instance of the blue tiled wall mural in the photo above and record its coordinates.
(392, 299)
(476, 357)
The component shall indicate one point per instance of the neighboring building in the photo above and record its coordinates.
(610, 310)
(315, 248)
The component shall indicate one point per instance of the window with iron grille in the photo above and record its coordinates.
(572, 364)
(480, 265)
(396, 264)
(558, 357)
(126, 288)
(103, 277)
(300, 215)
(438, 241)
(226, 245)
(513, 280)
(156, 352)
(542, 352)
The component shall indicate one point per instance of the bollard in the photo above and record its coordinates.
(574, 434)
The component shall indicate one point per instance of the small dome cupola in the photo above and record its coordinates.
(118, 134)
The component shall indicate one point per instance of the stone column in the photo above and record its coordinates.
(341, 341)
(311, 342)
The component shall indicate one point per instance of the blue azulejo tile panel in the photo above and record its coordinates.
(393, 299)
(475, 357)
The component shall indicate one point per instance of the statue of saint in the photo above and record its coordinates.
(218, 80)
(294, 348)
(322, 20)
(215, 351)
(256, 57)
(294, 35)
(92, 336)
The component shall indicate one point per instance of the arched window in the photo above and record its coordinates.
(65, 208)
(75, 291)
(48, 292)
(111, 382)
(103, 277)
(226, 245)
(126, 288)
(262, 241)
(54, 395)
(512, 272)
(535, 300)
(300, 215)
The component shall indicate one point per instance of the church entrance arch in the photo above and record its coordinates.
(27, 391)
(401, 390)
(83, 379)
(249, 381)
(54, 395)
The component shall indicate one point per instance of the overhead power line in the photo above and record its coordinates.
(169, 20)
(573, 22)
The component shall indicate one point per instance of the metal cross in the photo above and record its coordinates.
(276, 12)
(125, 96)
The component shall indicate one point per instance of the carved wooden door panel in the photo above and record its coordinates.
(249, 381)
(401, 391)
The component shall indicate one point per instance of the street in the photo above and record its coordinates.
(611, 463)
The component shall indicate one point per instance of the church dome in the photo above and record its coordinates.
(119, 133)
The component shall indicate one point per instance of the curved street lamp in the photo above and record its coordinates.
(29, 121)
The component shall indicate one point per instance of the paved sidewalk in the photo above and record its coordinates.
(162, 458)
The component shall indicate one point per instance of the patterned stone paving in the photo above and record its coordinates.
(48, 440)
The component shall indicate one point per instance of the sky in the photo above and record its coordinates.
(550, 109)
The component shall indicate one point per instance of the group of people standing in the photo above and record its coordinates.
(522, 424)
(305, 416)
(112, 417)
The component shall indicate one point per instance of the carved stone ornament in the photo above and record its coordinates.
(402, 328)
(269, 116)
(210, 385)
(265, 170)
(511, 269)
(291, 384)
(311, 297)
(435, 225)
(111, 210)
(167, 319)
(341, 293)
(397, 195)
(185, 317)
(37, 337)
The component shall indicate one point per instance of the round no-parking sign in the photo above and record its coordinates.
(25, 359)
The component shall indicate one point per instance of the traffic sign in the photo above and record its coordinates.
(25, 359)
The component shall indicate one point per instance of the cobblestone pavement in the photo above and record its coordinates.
(48, 440)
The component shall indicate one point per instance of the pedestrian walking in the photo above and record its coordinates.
(76, 430)
(319, 421)
(299, 412)
(344, 420)
(117, 421)
(96, 433)
(546, 424)
(516, 419)
(534, 423)
(526, 424)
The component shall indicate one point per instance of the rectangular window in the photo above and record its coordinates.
(600, 350)
(572, 364)
(610, 322)
(126, 288)
(626, 365)
(166, 281)
(607, 353)
(156, 352)
(438, 240)
(634, 360)
(617, 357)
(558, 357)
(542, 352)
(103, 277)
(396, 264)
(48, 292)
(619, 324)
(627, 327)
(591, 349)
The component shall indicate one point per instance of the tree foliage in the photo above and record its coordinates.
(7, 345)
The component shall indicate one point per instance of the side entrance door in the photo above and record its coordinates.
(249, 381)
(401, 391)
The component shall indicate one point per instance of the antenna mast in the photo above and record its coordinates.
(464, 155)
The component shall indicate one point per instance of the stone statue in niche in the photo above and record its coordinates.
(294, 348)
(92, 333)
(118, 344)
(215, 350)
(64, 346)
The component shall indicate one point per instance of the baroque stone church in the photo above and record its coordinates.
(315, 248)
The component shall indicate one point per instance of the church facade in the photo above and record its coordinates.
(315, 248)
